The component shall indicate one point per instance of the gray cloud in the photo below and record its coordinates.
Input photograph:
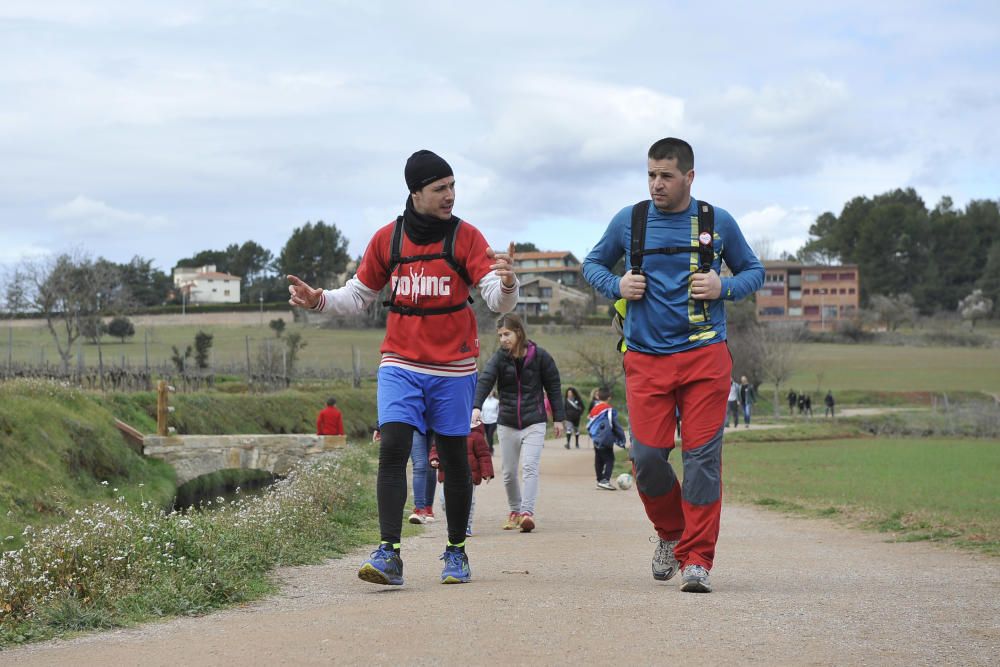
(246, 119)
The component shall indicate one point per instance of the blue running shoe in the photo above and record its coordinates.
(456, 568)
(383, 567)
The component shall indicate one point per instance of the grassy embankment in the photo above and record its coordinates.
(58, 444)
(90, 545)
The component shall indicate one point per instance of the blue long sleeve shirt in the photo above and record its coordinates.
(667, 320)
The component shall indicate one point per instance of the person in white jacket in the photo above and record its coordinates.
(489, 414)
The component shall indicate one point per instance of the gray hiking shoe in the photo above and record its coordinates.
(664, 563)
(694, 579)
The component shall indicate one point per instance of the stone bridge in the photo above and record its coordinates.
(196, 455)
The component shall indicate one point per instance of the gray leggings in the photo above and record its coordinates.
(522, 446)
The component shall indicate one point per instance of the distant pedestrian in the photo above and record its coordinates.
(733, 404)
(809, 405)
(423, 502)
(792, 401)
(330, 420)
(605, 432)
(747, 398)
(802, 403)
(489, 415)
(593, 399)
(574, 410)
(829, 404)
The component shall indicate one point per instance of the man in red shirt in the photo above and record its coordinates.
(430, 259)
(330, 420)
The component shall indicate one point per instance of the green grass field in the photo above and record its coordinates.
(818, 366)
(896, 368)
(915, 488)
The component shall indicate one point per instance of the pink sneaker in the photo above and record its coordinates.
(417, 517)
(527, 522)
(429, 515)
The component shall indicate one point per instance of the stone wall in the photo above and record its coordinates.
(195, 455)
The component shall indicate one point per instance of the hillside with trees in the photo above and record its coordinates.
(909, 256)
(937, 256)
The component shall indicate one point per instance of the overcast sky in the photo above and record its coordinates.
(160, 129)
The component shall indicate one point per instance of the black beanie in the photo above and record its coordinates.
(425, 167)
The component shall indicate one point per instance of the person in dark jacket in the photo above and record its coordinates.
(574, 410)
(523, 374)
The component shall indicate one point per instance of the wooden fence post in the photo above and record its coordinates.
(161, 407)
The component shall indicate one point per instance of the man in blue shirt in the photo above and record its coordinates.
(675, 358)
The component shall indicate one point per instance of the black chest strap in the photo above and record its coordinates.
(396, 261)
(702, 244)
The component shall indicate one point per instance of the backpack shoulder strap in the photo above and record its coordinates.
(640, 212)
(449, 256)
(396, 245)
(706, 232)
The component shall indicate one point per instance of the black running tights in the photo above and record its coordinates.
(394, 452)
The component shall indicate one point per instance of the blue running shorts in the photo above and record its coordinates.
(442, 404)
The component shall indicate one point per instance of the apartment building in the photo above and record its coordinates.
(542, 296)
(817, 296)
(560, 266)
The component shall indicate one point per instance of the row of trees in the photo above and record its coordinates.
(938, 256)
(317, 253)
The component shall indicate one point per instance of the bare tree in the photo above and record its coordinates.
(743, 338)
(779, 355)
(572, 313)
(760, 352)
(66, 290)
(764, 248)
(602, 362)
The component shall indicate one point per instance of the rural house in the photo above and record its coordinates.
(206, 285)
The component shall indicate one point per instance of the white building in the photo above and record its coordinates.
(206, 285)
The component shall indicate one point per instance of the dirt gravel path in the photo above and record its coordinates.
(789, 591)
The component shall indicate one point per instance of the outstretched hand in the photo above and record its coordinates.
(504, 264)
(302, 295)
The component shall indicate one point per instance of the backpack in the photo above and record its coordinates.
(701, 244)
(447, 254)
(602, 429)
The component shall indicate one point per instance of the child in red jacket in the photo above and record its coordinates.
(480, 463)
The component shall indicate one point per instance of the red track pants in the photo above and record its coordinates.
(697, 383)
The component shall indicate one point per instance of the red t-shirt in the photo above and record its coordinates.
(428, 284)
(330, 421)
